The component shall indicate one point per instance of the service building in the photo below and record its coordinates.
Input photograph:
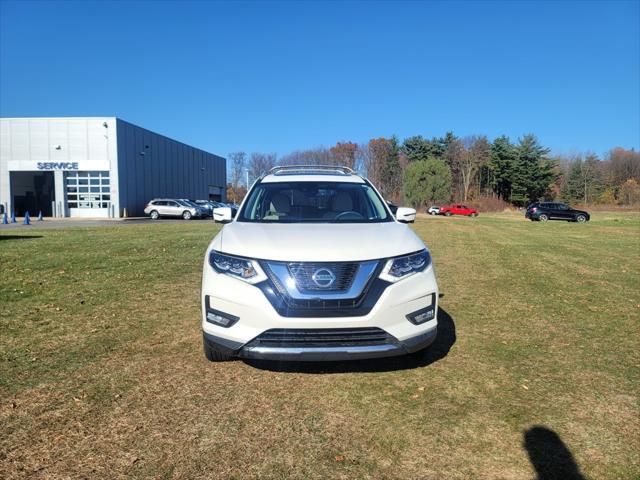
(98, 167)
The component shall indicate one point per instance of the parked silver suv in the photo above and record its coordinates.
(166, 207)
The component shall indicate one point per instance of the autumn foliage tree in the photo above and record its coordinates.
(344, 154)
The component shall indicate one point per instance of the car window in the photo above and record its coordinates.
(314, 202)
(562, 206)
(172, 204)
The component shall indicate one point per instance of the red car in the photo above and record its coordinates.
(458, 210)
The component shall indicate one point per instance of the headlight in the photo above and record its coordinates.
(401, 267)
(241, 268)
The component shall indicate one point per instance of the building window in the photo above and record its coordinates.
(88, 189)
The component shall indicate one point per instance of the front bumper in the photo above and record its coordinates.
(324, 353)
(257, 314)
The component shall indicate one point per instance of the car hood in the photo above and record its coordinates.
(317, 242)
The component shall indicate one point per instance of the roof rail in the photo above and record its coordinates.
(292, 169)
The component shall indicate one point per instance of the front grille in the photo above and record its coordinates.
(322, 337)
(303, 273)
(356, 300)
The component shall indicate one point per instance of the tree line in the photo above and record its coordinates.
(420, 171)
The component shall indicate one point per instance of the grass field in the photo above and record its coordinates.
(536, 370)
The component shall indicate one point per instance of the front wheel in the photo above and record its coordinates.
(186, 215)
(447, 214)
(581, 218)
(154, 215)
(543, 218)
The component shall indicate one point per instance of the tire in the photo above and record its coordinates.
(432, 213)
(154, 215)
(447, 214)
(474, 215)
(214, 355)
(186, 215)
(581, 218)
(543, 217)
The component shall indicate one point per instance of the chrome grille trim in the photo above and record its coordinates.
(296, 287)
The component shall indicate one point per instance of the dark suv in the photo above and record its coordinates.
(544, 211)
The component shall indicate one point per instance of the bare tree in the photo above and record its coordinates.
(316, 156)
(466, 158)
(454, 157)
(238, 164)
(260, 163)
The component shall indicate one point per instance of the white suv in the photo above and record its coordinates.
(315, 267)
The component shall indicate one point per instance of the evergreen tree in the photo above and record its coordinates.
(584, 180)
(572, 187)
(501, 166)
(416, 148)
(427, 181)
(444, 143)
(533, 173)
(388, 152)
(591, 178)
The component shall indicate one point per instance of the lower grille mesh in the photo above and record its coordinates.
(322, 337)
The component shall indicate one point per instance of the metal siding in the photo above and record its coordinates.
(78, 140)
(160, 180)
(172, 168)
(168, 168)
(183, 167)
(122, 166)
(131, 168)
(39, 140)
(97, 148)
(19, 139)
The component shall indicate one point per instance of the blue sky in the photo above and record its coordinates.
(280, 76)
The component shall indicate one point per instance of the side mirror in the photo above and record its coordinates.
(222, 215)
(406, 215)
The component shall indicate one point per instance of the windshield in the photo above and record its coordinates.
(314, 202)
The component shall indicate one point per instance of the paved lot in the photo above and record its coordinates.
(87, 222)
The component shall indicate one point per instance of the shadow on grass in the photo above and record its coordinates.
(550, 456)
(19, 237)
(437, 351)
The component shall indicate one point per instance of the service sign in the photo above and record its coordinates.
(57, 165)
